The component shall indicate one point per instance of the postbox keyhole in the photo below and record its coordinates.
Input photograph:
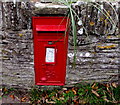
(50, 42)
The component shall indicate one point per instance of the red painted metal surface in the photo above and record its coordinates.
(50, 49)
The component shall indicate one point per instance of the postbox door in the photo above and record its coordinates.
(51, 63)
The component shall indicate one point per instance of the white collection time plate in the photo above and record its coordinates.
(50, 55)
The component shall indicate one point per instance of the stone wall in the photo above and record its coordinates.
(17, 53)
(97, 48)
(98, 52)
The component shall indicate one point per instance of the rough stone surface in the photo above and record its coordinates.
(97, 58)
(17, 56)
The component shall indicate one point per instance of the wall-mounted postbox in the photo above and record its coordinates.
(50, 49)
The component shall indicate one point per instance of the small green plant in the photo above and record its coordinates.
(72, 14)
(68, 3)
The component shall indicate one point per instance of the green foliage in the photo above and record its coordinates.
(116, 92)
(6, 91)
(35, 94)
(69, 95)
(83, 93)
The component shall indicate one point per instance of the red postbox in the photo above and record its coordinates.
(50, 49)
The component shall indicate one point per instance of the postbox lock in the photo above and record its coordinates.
(50, 42)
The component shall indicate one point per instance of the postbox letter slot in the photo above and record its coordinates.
(50, 28)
